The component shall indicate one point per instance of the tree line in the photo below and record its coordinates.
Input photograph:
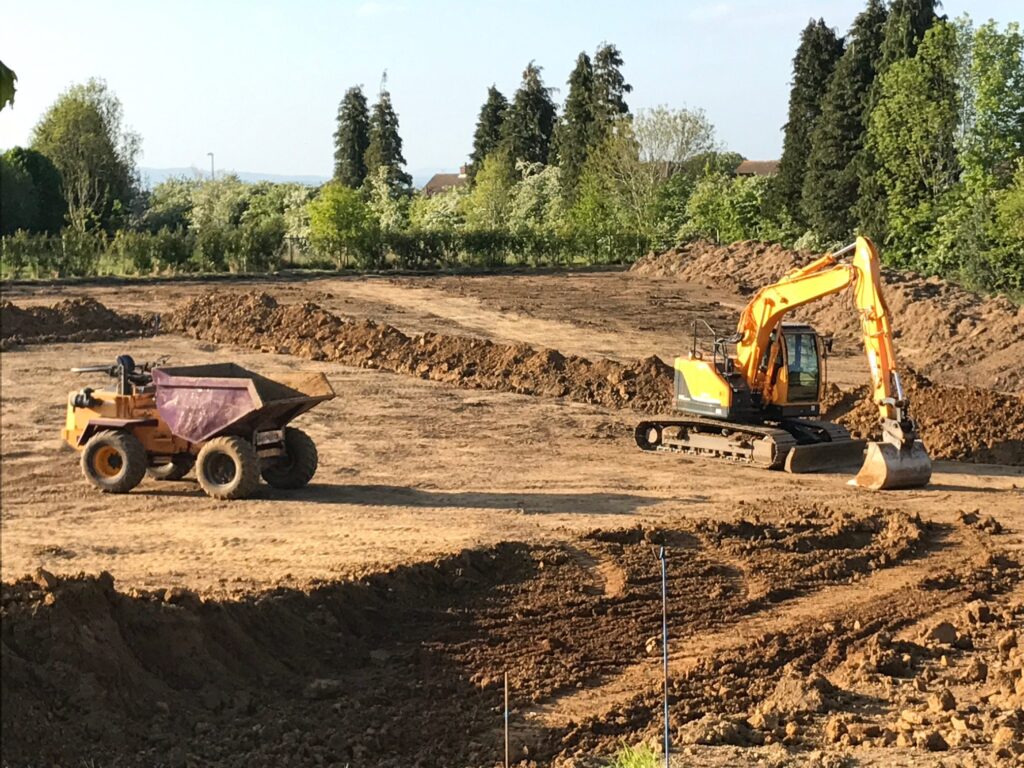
(910, 128)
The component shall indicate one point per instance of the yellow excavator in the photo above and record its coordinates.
(758, 406)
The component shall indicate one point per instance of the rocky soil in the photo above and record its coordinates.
(83, 319)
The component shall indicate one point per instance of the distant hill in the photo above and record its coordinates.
(153, 176)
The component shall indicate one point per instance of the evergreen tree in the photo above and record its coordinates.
(487, 136)
(813, 64)
(904, 29)
(831, 184)
(385, 147)
(575, 132)
(527, 130)
(352, 138)
(610, 89)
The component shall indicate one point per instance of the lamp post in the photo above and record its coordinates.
(212, 176)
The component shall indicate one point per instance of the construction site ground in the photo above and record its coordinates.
(458, 530)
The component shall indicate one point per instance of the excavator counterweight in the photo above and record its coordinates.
(760, 406)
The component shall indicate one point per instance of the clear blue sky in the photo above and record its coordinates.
(258, 82)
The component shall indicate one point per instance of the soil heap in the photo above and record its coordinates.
(942, 330)
(69, 320)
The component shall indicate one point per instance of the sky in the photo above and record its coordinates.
(258, 82)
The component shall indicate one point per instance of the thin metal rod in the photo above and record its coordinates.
(664, 645)
(506, 719)
(844, 250)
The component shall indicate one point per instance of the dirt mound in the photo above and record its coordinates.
(257, 321)
(69, 320)
(943, 330)
(956, 423)
(399, 668)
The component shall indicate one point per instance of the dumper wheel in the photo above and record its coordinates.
(228, 468)
(113, 461)
(175, 469)
(298, 468)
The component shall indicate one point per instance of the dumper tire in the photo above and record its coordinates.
(228, 468)
(298, 468)
(114, 461)
(175, 469)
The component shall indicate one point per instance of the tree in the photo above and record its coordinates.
(7, 88)
(32, 198)
(341, 224)
(903, 31)
(610, 88)
(389, 206)
(912, 134)
(526, 133)
(575, 132)
(170, 204)
(668, 139)
(84, 136)
(352, 138)
(815, 59)
(831, 184)
(385, 147)
(487, 136)
(905, 27)
(486, 207)
(536, 203)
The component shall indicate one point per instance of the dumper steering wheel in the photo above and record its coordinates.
(128, 373)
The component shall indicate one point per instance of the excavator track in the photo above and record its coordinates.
(757, 445)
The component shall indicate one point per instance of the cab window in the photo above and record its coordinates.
(802, 351)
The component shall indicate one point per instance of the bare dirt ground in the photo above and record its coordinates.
(456, 531)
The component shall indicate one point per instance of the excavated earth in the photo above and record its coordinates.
(480, 510)
(82, 319)
(406, 667)
(940, 327)
(964, 424)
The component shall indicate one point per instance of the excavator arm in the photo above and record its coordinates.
(900, 460)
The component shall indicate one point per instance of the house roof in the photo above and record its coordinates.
(440, 182)
(757, 168)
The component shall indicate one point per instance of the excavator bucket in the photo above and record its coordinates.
(825, 457)
(889, 466)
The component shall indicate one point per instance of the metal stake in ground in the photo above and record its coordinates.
(506, 719)
(664, 645)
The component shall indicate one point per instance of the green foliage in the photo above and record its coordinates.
(725, 209)
(7, 88)
(536, 203)
(831, 185)
(487, 205)
(352, 138)
(905, 27)
(635, 757)
(912, 134)
(84, 136)
(170, 204)
(341, 225)
(610, 89)
(385, 147)
(389, 206)
(487, 135)
(575, 132)
(530, 120)
(442, 212)
(814, 62)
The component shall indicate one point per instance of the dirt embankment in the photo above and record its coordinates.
(942, 330)
(69, 320)
(257, 321)
(405, 667)
(959, 424)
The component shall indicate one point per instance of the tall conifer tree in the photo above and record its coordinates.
(815, 59)
(575, 132)
(352, 138)
(528, 127)
(831, 185)
(487, 136)
(385, 147)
